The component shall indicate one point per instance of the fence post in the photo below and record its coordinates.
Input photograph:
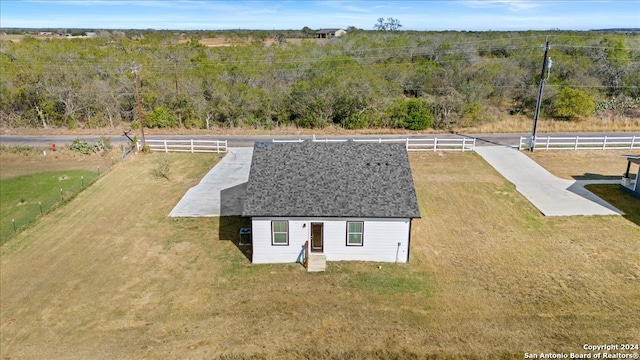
(435, 144)
(464, 142)
(576, 147)
(548, 142)
(407, 144)
(166, 150)
(474, 145)
(633, 138)
(192, 146)
(604, 143)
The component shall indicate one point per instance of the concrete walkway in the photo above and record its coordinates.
(551, 195)
(221, 192)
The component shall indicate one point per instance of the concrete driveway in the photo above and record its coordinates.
(221, 192)
(552, 195)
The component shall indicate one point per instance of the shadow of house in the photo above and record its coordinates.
(231, 221)
(579, 187)
(591, 176)
(618, 197)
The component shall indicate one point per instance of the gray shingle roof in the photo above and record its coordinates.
(346, 179)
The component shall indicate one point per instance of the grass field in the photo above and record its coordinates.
(109, 275)
(25, 198)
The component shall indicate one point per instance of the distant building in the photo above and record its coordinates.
(329, 33)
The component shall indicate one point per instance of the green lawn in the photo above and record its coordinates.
(25, 198)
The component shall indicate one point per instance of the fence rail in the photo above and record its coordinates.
(435, 144)
(581, 142)
(426, 144)
(192, 146)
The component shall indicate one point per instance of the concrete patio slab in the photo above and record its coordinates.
(552, 195)
(221, 192)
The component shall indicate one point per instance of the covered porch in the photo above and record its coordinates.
(631, 175)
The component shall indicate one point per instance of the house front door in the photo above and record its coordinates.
(316, 237)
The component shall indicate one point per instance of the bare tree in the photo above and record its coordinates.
(390, 25)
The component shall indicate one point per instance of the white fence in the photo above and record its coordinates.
(192, 146)
(427, 144)
(581, 143)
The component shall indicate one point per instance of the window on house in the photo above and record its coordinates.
(280, 233)
(355, 233)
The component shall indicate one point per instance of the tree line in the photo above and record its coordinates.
(403, 79)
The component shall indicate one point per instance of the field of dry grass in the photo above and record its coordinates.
(32, 160)
(519, 123)
(110, 276)
(583, 164)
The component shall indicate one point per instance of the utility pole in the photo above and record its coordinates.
(134, 70)
(175, 76)
(532, 144)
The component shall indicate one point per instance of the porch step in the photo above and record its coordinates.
(316, 262)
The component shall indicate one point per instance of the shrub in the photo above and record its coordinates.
(571, 103)
(161, 117)
(104, 143)
(355, 121)
(81, 146)
(412, 114)
(473, 114)
(163, 166)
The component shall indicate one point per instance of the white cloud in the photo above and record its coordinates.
(511, 5)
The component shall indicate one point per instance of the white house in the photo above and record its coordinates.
(329, 33)
(313, 202)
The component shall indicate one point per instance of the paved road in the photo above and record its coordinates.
(551, 195)
(248, 140)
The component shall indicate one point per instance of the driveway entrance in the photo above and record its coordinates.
(222, 191)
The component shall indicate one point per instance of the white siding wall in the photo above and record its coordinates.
(385, 240)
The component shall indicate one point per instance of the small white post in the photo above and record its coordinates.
(548, 142)
(474, 144)
(435, 144)
(633, 138)
(192, 146)
(604, 143)
(166, 150)
(576, 147)
(407, 144)
(379, 140)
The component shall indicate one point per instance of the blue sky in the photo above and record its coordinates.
(476, 15)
